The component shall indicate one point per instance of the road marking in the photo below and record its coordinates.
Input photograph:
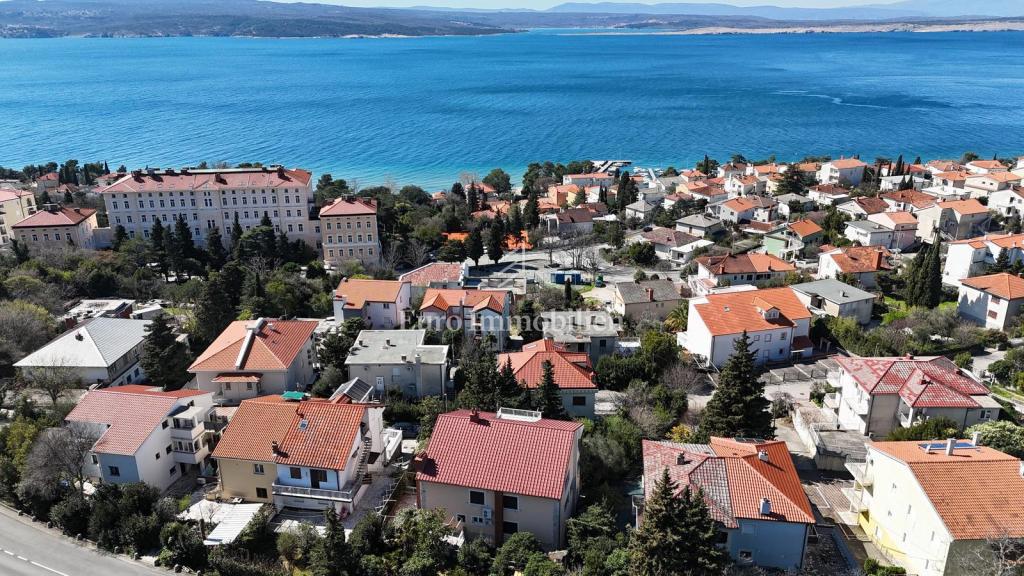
(34, 563)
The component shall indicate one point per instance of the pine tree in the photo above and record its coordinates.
(658, 546)
(158, 245)
(473, 197)
(481, 384)
(120, 237)
(236, 235)
(164, 358)
(332, 555)
(496, 240)
(458, 191)
(216, 255)
(214, 310)
(548, 399)
(265, 221)
(1002, 262)
(509, 393)
(475, 246)
(580, 197)
(515, 220)
(568, 294)
(703, 555)
(738, 408)
(531, 214)
(792, 182)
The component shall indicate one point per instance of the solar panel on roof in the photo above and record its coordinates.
(937, 446)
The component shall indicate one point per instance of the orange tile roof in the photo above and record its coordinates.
(433, 272)
(1001, 240)
(131, 414)
(63, 217)
(907, 377)
(965, 207)
(735, 312)
(955, 175)
(847, 163)
(917, 199)
(830, 189)
(321, 435)
(350, 206)
(997, 176)
(733, 478)
(456, 236)
(444, 298)
(740, 204)
(1008, 286)
(745, 264)
(265, 177)
(490, 453)
(358, 291)
(572, 369)
(804, 228)
(253, 428)
(275, 347)
(987, 164)
(858, 259)
(901, 217)
(973, 490)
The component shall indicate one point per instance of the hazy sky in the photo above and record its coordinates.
(542, 4)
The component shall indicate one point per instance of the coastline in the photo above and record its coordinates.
(866, 28)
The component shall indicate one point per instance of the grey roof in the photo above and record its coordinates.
(394, 347)
(578, 326)
(636, 292)
(787, 198)
(699, 220)
(868, 226)
(833, 290)
(95, 343)
(641, 206)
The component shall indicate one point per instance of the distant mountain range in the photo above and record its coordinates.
(34, 18)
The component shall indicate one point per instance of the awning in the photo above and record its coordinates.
(232, 525)
(237, 377)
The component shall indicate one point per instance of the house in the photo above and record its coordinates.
(903, 226)
(591, 332)
(592, 179)
(57, 226)
(15, 206)
(985, 166)
(47, 182)
(145, 434)
(579, 220)
(730, 169)
(649, 299)
(828, 194)
(775, 320)
(994, 301)
(502, 473)
(478, 313)
(98, 352)
(445, 275)
(348, 231)
(641, 209)
(786, 201)
(982, 185)
(215, 198)
(908, 201)
(747, 209)
(574, 374)
(752, 492)
(743, 185)
(863, 206)
(845, 171)
(940, 508)
(382, 304)
(868, 233)
(948, 186)
(830, 297)
(563, 194)
(304, 454)
(793, 240)
(1007, 202)
(972, 257)
(699, 225)
(862, 263)
(710, 193)
(668, 242)
(256, 357)
(732, 269)
(400, 360)
(878, 395)
(953, 220)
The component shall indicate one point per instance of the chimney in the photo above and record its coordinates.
(274, 447)
(387, 341)
(681, 458)
(762, 455)
(474, 415)
(404, 357)
(650, 294)
(766, 507)
(79, 336)
(950, 445)
(976, 438)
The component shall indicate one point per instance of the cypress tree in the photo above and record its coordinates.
(475, 246)
(738, 407)
(214, 309)
(473, 198)
(216, 255)
(509, 393)
(120, 237)
(515, 220)
(658, 546)
(164, 358)
(158, 244)
(580, 197)
(602, 195)
(549, 399)
(265, 221)
(568, 293)
(236, 235)
(496, 240)
(531, 214)
(458, 191)
(703, 555)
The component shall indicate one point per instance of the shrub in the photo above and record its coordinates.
(71, 514)
(182, 545)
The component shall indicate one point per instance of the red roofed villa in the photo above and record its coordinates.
(574, 375)
(55, 226)
(382, 304)
(993, 301)
(480, 313)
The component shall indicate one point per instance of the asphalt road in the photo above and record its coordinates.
(28, 549)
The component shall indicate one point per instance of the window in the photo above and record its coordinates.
(261, 492)
(173, 470)
(510, 502)
(476, 497)
(782, 336)
(993, 314)
(986, 414)
(164, 424)
(113, 471)
(509, 527)
(157, 455)
(579, 400)
(257, 469)
(95, 460)
(746, 555)
(295, 473)
(478, 520)
(767, 337)
(168, 449)
(460, 517)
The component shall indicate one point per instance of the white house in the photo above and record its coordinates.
(903, 226)
(830, 297)
(699, 225)
(383, 304)
(972, 257)
(994, 301)
(828, 194)
(1007, 202)
(400, 360)
(953, 220)
(908, 201)
(479, 313)
(734, 269)
(861, 262)
(846, 171)
(982, 185)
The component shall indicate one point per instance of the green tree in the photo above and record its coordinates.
(332, 556)
(738, 408)
(236, 235)
(594, 523)
(158, 245)
(164, 358)
(509, 393)
(476, 556)
(214, 310)
(657, 547)
(1002, 263)
(1002, 435)
(452, 251)
(473, 197)
(216, 255)
(548, 398)
(939, 428)
(677, 319)
(515, 553)
(531, 213)
(496, 240)
(475, 246)
(499, 180)
(792, 182)
(120, 237)
(924, 277)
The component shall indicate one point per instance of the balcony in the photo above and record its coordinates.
(317, 493)
(832, 400)
(860, 406)
(187, 432)
(861, 472)
(906, 419)
(860, 501)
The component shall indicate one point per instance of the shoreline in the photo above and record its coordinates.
(867, 28)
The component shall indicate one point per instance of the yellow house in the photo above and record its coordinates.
(939, 508)
(245, 454)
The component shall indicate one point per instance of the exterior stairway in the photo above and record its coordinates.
(364, 457)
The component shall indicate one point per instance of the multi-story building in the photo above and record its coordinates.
(953, 220)
(994, 301)
(348, 231)
(752, 490)
(863, 263)
(830, 297)
(213, 198)
(940, 508)
(56, 226)
(382, 304)
(793, 240)
(478, 313)
(592, 332)
(146, 434)
(734, 269)
(400, 360)
(573, 372)
(845, 171)
(878, 395)
(973, 256)
(15, 206)
(257, 357)
(501, 473)
(646, 300)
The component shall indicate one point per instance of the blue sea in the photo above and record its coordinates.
(423, 110)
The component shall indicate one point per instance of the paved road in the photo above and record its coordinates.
(28, 549)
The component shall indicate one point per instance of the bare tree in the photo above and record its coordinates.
(592, 262)
(415, 254)
(685, 377)
(390, 257)
(54, 379)
(467, 178)
(9, 387)
(996, 556)
(259, 266)
(576, 248)
(59, 454)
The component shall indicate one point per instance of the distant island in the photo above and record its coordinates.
(259, 18)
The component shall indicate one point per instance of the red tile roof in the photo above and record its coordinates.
(443, 299)
(8, 194)
(350, 206)
(63, 217)
(253, 428)
(973, 490)
(163, 181)
(572, 369)
(734, 312)
(275, 347)
(871, 204)
(918, 200)
(987, 164)
(435, 272)
(510, 456)
(860, 259)
(804, 228)
(847, 163)
(745, 264)
(358, 291)
(668, 237)
(830, 189)
(1008, 286)
(733, 478)
(933, 381)
(321, 435)
(1001, 240)
(131, 413)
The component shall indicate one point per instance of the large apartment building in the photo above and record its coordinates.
(15, 206)
(213, 198)
(348, 231)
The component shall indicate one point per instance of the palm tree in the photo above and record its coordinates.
(677, 318)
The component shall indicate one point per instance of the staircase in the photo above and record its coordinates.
(364, 457)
